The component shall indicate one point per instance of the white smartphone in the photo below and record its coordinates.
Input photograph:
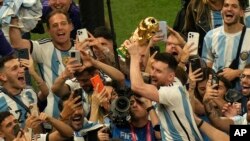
(163, 28)
(193, 37)
(75, 54)
(82, 34)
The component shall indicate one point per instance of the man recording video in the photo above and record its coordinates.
(139, 127)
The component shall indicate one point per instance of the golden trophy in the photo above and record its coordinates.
(146, 29)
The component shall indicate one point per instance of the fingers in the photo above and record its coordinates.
(102, 135)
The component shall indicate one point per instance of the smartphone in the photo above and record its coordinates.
(82, 34)
(75, 54)
(193, 37)
(195, 63)
(78, 92)
(215, 80)
(23, 53)
(16, 129)
(34, 110)
(97, 80)
(163, 28)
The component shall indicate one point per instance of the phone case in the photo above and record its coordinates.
(78, 92)
(193, 37)
(195, 64)
(97, 80)
(34, 110)
(23, 53)
(163, 28)
(75, 54)
(82, 34)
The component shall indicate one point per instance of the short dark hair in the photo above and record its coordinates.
(3, 115)
(247, 66)
(104, 32)
(167, 58)
(243, 4)
(5, 59)
(54, 12)
(226, 82)
(90, 70)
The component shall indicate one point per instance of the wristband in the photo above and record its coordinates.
(200, 124)
(150, 108)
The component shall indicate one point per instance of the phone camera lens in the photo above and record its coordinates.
(73, 54)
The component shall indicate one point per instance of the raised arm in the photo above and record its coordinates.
(62, 128)
(60, 88)
(137, 83)
(222, 123)
(43, 88)
(110, 71)
(88, 61)
(207, 128)
(16, 37)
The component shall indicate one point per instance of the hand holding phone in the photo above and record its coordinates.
(193, 38)
(96, 80)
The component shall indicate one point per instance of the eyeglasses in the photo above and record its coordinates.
(244, 76)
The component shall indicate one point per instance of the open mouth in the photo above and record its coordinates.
(21, 78)
(61, 34)
(175, 53)
(77, 118)
(245, 88)
(229, 16)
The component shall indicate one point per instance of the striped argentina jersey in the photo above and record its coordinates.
(50, 62)
(220, 48)
(27, 96)
(176, 115)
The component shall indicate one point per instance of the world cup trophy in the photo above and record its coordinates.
(146, 29)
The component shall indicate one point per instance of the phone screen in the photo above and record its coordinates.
(97, 80)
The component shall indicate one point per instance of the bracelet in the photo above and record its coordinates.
(150, 108)
(200, 124)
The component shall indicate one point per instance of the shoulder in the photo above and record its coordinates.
(2, 95)
(215, 32)
(74, 8)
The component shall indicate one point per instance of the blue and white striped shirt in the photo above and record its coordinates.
(176, 115)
